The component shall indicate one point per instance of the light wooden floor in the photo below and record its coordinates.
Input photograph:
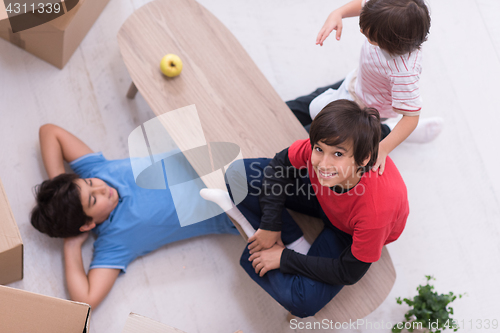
(453, 231)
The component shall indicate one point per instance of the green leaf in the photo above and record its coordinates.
(428, 306)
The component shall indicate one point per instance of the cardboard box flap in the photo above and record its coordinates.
(23, 8)
(22, 311)
(56, 40)
(9, 233)
(26, 14)
(11, 244)
(139, 324)
(62, 22)
(7, 243)
(11, 265)
(3, 12)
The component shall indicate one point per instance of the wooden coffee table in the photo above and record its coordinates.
(235, 103)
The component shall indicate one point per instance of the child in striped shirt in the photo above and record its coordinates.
(389, 69)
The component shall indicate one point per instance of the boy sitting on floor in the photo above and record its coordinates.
(327, 176)
(102, 196)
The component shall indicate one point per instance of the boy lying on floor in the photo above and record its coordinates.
(102, 196)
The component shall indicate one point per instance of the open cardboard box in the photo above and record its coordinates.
(56, 40)
(25, 312)
(139, 324)
(11, 244)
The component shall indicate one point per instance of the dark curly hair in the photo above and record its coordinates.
(343, 120)
(397, 26)
(59, 211)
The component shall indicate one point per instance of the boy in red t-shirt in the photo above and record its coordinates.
(327, 176)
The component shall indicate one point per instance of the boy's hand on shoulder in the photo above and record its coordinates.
(380, 163)
(77, 240)
(263, 239)
(333, 22)
(267, 260)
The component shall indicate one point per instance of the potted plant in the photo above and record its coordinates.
(430, 311)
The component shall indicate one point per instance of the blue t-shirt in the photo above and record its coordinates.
(144, 219)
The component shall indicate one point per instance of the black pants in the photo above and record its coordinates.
(300, 108)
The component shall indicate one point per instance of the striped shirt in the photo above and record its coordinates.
(385, 82)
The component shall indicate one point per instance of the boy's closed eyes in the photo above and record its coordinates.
(98, 200)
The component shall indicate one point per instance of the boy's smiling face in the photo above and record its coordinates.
(335, 165)
(98, 200)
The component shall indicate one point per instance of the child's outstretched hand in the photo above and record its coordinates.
(333, 22)
(263, 239)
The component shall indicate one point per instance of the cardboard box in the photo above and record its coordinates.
(140, 324)
(25, 312)
(56, 40)
(26, 14)
(11, 244)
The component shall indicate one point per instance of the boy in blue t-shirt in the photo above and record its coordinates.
(102, 196)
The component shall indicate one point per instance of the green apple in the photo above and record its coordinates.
(171, 65)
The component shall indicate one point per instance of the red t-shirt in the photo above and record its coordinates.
(373, 212)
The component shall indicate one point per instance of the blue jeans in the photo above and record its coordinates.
(300, 295)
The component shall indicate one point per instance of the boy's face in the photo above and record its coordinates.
(335, 165)
(98, 199)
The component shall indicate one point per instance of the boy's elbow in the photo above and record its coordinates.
(46, 129)
(352, 280)
(93, 302)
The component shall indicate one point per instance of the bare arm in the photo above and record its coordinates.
(91, 289)
(402, 130)
(351, 9)
(334, 20)
(58, 145)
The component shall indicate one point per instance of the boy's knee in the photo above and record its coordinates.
(303, 297)
(244, 259)
(303, 311)
(244, 177)
(236, 181)
(287, 298)
(308, 297)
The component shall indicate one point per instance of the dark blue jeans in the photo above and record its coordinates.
(300, 295)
